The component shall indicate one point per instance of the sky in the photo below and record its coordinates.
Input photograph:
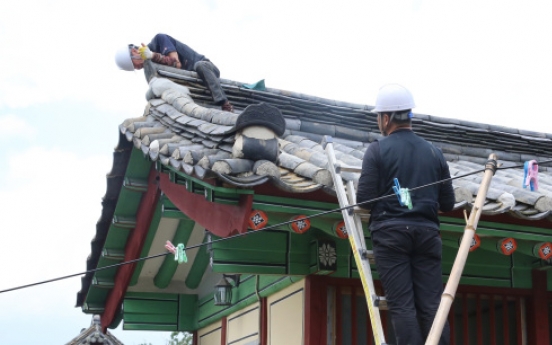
(62, 99)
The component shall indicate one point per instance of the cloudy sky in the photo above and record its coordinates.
(62, 98)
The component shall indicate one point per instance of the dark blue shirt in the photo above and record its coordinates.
(415, 162)
(165, 44)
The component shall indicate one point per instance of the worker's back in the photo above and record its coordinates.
(164, 44)
(414, 162)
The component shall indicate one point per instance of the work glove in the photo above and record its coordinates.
(145, 52)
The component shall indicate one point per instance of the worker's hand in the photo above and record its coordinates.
(145, 52)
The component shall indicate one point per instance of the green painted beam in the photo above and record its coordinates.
(135, 184)
(105, 283)
(124, 222)
(292, 205)
(96, 297)
(93, 308)
(107, 273)
(150, 311)
(266, 247)
(345, 258)
(168, 268)
(498, 229)
(157, 296)
(117, 238)
(127, 206)
(264, 252)
(187, 311)
(173, 213)
(117, 255)
(159, 311)
(138, 167)
(147, 244)
(199, 266)
(148, 327)
(299, 253)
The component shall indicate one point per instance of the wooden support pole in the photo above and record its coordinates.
(460, 261)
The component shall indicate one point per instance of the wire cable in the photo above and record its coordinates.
(254, 232)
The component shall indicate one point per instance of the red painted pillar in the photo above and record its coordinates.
(539, 304)
(132, 251)
(224, 331)
(315, 310)
(264, 322)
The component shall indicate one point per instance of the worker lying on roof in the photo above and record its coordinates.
(164, 49)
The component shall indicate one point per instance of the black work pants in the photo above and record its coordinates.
(408, 260)
(210, 74)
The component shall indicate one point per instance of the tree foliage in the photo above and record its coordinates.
(177, 338)
(180, 338)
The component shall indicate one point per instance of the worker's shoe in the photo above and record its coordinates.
(228, 107)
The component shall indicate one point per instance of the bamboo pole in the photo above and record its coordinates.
(460, 261)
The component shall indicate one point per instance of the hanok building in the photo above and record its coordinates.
(228, 186)
(94, 335)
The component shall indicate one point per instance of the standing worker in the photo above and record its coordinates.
(164, 49)
(406, 240)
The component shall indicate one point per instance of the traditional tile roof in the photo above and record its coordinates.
(183, 129)
(93, 335)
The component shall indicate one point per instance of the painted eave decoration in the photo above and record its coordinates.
(266, 158)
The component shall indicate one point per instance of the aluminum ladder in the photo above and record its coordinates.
(352, 215)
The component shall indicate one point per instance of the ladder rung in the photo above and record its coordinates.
(350, 169)
(368, 254)
(362, 212)
(380, 302)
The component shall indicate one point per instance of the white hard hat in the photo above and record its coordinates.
(123, 59)
(393, 97)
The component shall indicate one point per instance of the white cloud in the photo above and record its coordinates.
(12, 126)
(51, 202)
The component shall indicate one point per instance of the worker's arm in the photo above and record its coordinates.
(168, 60)
(174, 55)
(368, 183)
(165, 60)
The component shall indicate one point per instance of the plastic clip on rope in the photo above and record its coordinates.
(178, 251)
(402, 194)
(531, 175)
